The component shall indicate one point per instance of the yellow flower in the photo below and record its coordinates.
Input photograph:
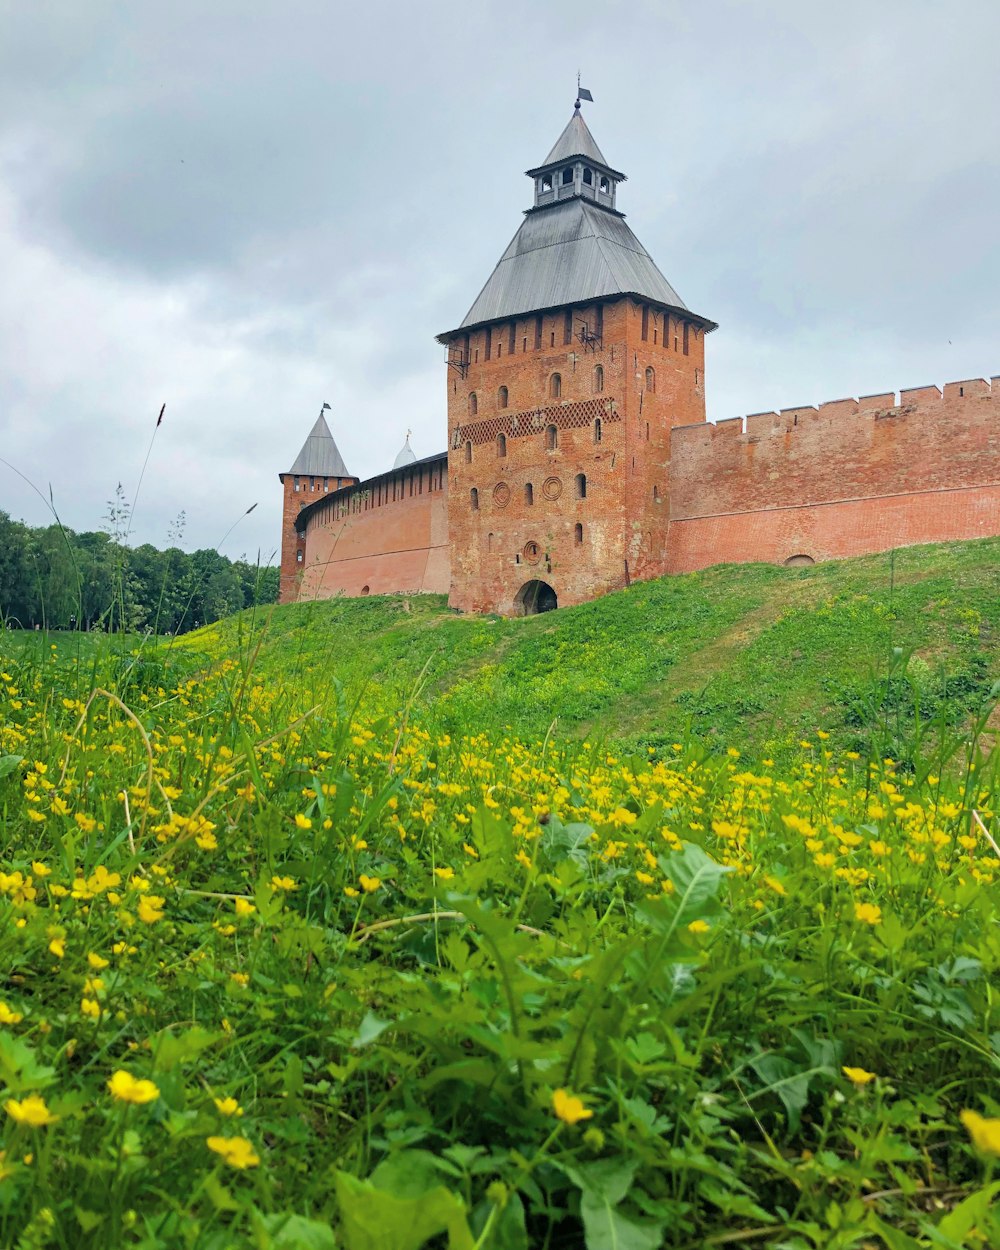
(985, 1133)
(240, 978)
(40, 869)
(369, 884)
(858, 1075)
(868, 913)
(445, 874)
(207, 841)
(31, 1111)
(228, 1106)
(284, 883)
(244, 907)
(236, 1151)
(698, 926)
(9, 1017)
(522, 858)
(774, 884)
(96, 961)
(91, 1007)
(150, 908)
(569, 1108)
(351, 892)
(303, 822)
(127, 1088)
(58, 947)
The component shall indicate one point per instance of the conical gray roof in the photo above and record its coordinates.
(320, 456)
(571, 253)
(575, 140)
(406, 455)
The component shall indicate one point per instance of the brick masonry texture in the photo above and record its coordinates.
(848, 478)
(534, 383)
(579, 457)
(387, 536)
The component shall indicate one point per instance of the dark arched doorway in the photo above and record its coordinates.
(799, 562)
(535, 597)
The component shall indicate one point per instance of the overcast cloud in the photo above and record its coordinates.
(247, 209)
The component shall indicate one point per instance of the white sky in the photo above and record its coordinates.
(244, 210)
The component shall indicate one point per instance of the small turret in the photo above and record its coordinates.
(406, 454)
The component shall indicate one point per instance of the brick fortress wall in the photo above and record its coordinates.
(388, 535)
(847, 478)
(565, 482)
(299, 492)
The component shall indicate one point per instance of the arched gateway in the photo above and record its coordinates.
(535, 597)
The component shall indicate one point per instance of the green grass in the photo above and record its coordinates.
(303, 951)
(753, 652)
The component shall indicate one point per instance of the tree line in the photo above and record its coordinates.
(54, 578)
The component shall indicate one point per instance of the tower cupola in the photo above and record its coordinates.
(575, 169)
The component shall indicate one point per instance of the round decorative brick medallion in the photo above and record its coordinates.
(501, 494)
(531, 553)
(552, 488)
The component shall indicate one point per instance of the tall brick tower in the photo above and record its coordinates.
(564, 380)
(318, 469)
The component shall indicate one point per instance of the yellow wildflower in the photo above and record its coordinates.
(150, 908)
(40, 869)
(369, 884)
(31, 1111)
(236, 1151)
(985, 1133)
(569, 1108)
(303, 822)
(858, 1075)
(91, 1007)
(228, 1106)
(698, 926)
(58, 947)
(868, 913)
(244, 907)
(7, 1016)
(97, 962)
(126, 1088)
(445, 874)
(284, 883)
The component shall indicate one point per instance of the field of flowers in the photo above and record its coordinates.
(325, 976)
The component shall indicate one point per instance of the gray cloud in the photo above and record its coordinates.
(248, 210)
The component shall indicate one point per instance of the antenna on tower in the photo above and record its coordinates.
(581, 92)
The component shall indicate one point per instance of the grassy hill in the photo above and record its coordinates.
(750, 654)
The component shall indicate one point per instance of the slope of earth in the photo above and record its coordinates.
(753, 653)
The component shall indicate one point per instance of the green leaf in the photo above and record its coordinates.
(370, 1028)
(372, 1219)
(7, 765)
(603, 1186)
(970, 1212)
(172, 1048)
(696, 877)
(295, 1232)
(605, 1228)
(20, 1071)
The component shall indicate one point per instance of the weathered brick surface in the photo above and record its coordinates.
(506, 542)
(297, 493)
(665, 491)
(848, 478)
(384, 537)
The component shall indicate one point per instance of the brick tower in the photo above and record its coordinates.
(318, 469)
(564, 381)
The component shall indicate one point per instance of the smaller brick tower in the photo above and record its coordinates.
(564, 381)
(318, 469)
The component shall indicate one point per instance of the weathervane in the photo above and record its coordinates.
(581, 92)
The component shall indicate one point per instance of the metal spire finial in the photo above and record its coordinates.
(581, 92)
